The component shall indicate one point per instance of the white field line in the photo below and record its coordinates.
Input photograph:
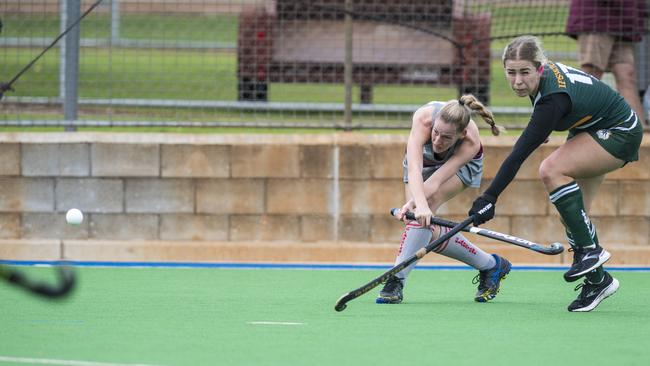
(49, 361)
(274, 323)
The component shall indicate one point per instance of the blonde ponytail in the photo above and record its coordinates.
(471, 102)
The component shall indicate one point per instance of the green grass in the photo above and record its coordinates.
(162, 26)
(183, 74)
(203, 317)
(202, 75)
(171, 26)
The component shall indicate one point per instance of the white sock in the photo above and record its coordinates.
(414, 238)
(460, 248)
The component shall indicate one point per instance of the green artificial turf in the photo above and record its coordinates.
(212, 316)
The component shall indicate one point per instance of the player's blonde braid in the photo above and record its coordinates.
(475, 105)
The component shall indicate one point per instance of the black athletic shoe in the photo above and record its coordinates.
(592, 294)
(585, 261)
(490, 280)
(392, 292)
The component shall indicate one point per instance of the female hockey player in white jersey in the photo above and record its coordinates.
(444, 156)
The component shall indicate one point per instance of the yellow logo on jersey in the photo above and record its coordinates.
(558, 75)
(581, 121)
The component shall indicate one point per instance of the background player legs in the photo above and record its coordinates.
(625, 75)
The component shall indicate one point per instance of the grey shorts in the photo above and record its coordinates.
(470, 174)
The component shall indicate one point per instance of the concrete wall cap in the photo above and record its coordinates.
(336, 138)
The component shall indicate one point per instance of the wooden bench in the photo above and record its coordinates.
(394, 42)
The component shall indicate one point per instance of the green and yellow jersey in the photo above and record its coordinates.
(595, 105)
(569, 99)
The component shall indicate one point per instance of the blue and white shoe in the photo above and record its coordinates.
(490, 280)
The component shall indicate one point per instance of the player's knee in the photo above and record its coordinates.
(435, 230)
(548, 171)
(624, 73)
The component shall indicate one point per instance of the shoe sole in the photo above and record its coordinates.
(607, 292)
(485, 297)
(386, 300)
(604, 257)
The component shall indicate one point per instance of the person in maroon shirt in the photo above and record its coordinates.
(606, 31)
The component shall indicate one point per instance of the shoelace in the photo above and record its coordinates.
(391, 284)
(582, 286)
(480, 278)
(577, 257)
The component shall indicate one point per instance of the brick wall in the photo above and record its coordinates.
(321, 197)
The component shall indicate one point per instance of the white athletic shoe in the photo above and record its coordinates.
(592, 294)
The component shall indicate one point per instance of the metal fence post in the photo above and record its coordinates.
(71, 64)
(347, 71)
(115, 21)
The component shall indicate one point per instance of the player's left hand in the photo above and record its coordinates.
(483, 208)
(408, 207)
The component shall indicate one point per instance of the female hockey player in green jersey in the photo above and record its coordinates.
(604, 135)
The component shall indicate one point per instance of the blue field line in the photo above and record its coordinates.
(310, 266)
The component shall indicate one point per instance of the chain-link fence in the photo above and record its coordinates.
(293, 63)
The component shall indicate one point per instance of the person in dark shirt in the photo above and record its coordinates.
(606, 32)
(604, 134)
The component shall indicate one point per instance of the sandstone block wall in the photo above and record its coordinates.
(298, 197)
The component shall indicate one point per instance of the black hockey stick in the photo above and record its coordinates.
(343, 300)
(553, 249)
(8, 86)
(65, 283)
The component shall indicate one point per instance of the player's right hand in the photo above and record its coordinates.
(482, 209)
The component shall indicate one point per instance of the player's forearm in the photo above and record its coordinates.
(416, 186)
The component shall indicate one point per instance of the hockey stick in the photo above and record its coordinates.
(553, 249)
(5, 87)
(65, 283)
(343, 300)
